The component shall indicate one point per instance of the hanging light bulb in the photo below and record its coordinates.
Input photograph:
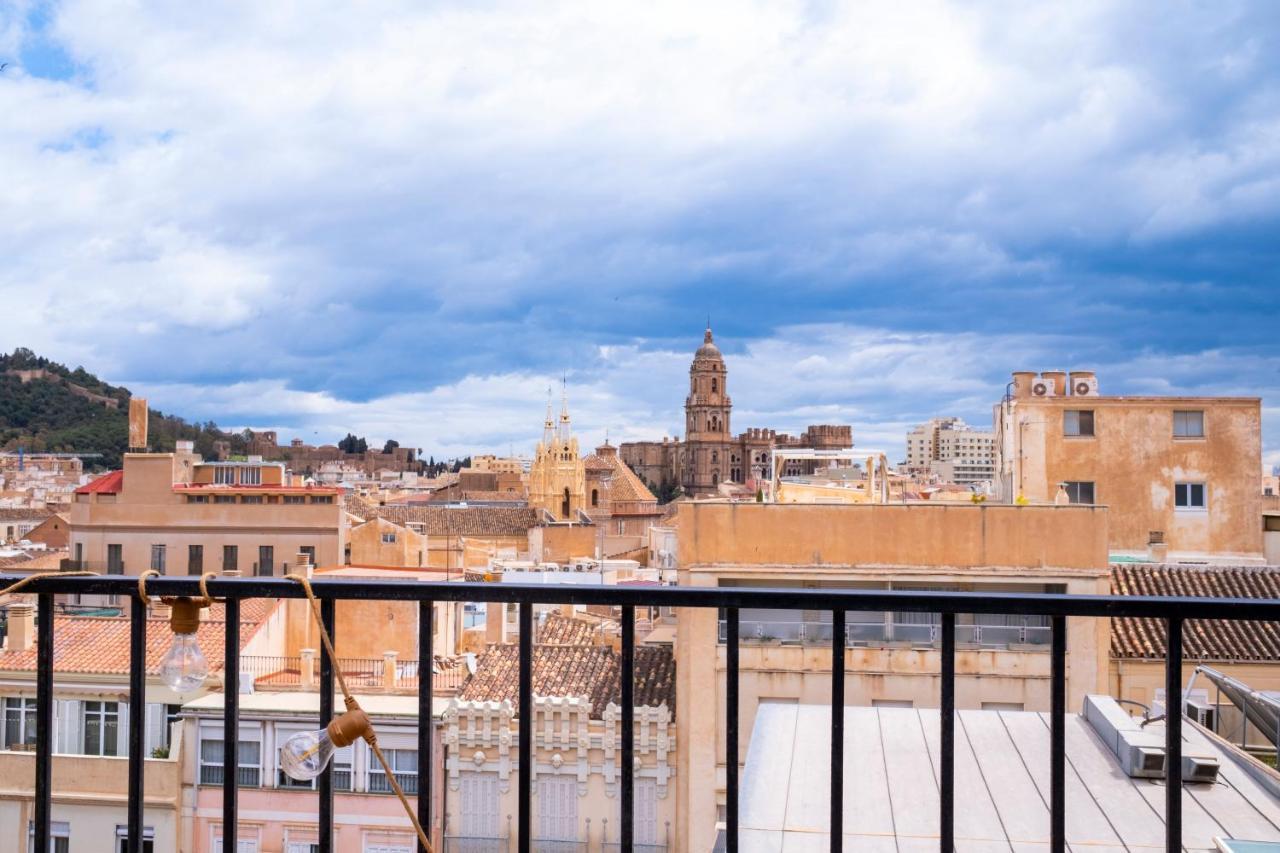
(184, 667)
(305, 755)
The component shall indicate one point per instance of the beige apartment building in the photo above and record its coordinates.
(952, 450)
(178, 514)
(1182, 476)
(893, 658)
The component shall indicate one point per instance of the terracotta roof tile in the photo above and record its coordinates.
(590, 671)
(100, 644)
(109, 483)
(465, 521)
(558, 630)
(25, 513)
(1202, 639)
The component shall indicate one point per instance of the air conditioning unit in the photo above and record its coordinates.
(1042, 388)
(1202, 712)
(1085, 386)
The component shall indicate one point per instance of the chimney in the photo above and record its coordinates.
(137, 424)
(1022, 380)
(1058, 379)
(22, 627)
(308, 674)
(389, 669)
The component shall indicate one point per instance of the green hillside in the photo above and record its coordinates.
(47, 415)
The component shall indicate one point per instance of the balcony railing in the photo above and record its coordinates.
(275, 671)
(475, 844)
(881, 632)
(731, 600)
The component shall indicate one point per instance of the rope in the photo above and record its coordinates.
(13, 588)
(203, 601)
(142, 586)
(370, 736)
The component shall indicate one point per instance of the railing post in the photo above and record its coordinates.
(1058, 736)
(137, 720)
(627, 676)
(523, 817)
(426, 718)
(947, 722)
(324, 783)
(731, 731)
(1173, 737)
(837, 730)
(44, 722)
(230, 723)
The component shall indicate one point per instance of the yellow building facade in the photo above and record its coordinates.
(557, 478)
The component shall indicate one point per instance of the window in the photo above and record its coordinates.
(1077, 422)
(1079, 491)
(248, 763)
(322, 499)
(266, 560)
(1188, 495)
(646, 812)
(59, 836)
(19, 722)
(389, 538)
(558, 808)
(310, 551)
(122, 838)
(157, 558)
(197, 499)
(230, 558)
(1188, 424)
(101, 728)
(251, 499)
(224, 476)
(250, 476)
(295, 499)
(404, 764)
(224, 499)
(595, 497)
(195, 559)
(479, 799)
(393, 842)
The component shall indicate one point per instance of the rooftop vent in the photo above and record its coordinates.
(1140, 753)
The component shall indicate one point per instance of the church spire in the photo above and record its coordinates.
(548, 426)
(564, 409)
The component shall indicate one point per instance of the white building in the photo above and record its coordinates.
(951, 450)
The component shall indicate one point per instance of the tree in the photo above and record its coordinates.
(351, 444)
(390, 446)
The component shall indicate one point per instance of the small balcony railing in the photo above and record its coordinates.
(475, 844)
(881, 632)
(1173, 611)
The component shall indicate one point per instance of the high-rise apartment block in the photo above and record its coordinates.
(951, 450)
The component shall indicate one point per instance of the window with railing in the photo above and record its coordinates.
(404, 765)
(101, 728)
(248, 763)
(19, 722)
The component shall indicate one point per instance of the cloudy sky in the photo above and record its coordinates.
(410, 221)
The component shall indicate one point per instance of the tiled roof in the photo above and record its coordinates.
(558, 630)
(495, 497)
(590, 671)
(1202, 639)
(35, 561)
(624, 485)
(464, 521)
(108, 483)
(99, 645)
(24, 513)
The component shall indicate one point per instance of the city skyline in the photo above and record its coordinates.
(409, 225)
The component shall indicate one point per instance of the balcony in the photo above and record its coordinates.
(839, 603)
(283, 673)
(993, 632)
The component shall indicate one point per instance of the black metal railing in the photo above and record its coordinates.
(730, 600)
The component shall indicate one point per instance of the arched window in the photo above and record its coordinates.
(564, 505)
(595, 497)
(715, 478)
(714, 385)
(715, 457)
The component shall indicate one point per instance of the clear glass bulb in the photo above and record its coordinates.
(184, 667)
(306, 754)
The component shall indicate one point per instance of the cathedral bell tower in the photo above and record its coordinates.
(706, 411)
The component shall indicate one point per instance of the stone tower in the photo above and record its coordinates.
(706, 417)
(557, 478)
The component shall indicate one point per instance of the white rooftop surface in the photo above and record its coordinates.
(891, 760)
(308, 703)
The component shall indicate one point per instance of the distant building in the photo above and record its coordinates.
(710, 453)
(1181, 475)
(951, 450)
(557, 479)
(180, 515)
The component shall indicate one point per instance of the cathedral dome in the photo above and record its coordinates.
(708, 348)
